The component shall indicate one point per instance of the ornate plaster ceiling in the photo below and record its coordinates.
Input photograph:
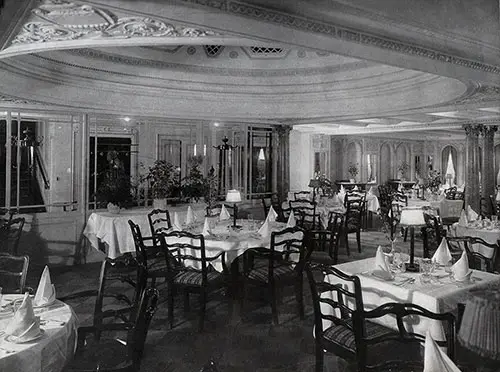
(78, 57)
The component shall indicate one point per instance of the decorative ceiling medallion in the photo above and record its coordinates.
(58, 20)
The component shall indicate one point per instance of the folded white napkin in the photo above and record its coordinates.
(463, 221)
(435, 359)
(461, 269)
(355, 188)
(341, 196)
(471, 214)
(24, 325)
(291, 220)
(271, 215)
(176, 225)
(342, 189)
(264, 229)
(442, 255)
(206, 228)
(224, 214)
(46, 292)
(372, 190)
(400, 187)
(190, 217)
(380, 261)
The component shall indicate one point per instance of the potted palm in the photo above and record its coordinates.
(163, 180)
(403, 169)
(353, 171)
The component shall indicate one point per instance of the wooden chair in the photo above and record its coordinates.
(398, 350)
(10, 234)
(495, 206)
(485, 207)
(480, 262)
(13, 272)
(300, 195)
(398, 202)
(457, 245)
(310, 219)
(355, 208)
(279, 266)
(121, 284)
(189, 270)
(113, 354)
(159, 220)
(231, 208)
(432, 234)
(339, 337)
(324, 244)
(150, 257)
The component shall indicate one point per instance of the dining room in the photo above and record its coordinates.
(249, 186)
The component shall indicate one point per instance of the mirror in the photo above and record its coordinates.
(371, 167)
(320, 163)
(418, 171)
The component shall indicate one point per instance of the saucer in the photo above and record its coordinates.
(17, 340)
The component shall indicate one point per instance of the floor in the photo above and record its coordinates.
(248, 342)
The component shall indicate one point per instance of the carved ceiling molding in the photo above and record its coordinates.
(17, 101)
(342, 33)
(60, 20)
(238, 72)
(482, 93)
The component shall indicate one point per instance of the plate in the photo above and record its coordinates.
(44, 305)
(384, 275)
(16, 340)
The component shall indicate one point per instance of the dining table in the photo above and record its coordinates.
(441, 294)
(113, 231)
(490, 234)
(51, 350)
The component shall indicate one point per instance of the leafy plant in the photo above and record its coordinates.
(353, 170)
(211, 191)
(115, 188)
(195, 184)
(403, 168)
(432, 181)
(163, 178)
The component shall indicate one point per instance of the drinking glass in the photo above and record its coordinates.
(494, 220)
(426, 268)
(251, 222)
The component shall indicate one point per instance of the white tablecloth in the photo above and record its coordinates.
(489, 236)
(114, 231)
(51, 352)
(447, 208)
(441, 295)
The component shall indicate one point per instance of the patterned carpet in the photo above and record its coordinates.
(244, 342)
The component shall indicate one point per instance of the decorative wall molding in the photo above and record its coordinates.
(481, 94)
(15, 100)
(343, 33)
(60, 20)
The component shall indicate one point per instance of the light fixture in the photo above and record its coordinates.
(126, 119)
(234, 196)
(412, 217)
(315, 184)
(194, 150)
(216, 124)
(261, 154)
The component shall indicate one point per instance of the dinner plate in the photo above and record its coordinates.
(383, 275)
(16, 340)
(44, 305)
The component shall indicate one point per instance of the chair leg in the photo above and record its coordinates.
(358, 240)
(203, 305)
(299, 297)
(346, 239)
(319, 357)
(170, 298)
(274, 304)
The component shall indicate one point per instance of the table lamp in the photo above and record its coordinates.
(315, 184)
(480, 326)
(234, 196)
(412, 217)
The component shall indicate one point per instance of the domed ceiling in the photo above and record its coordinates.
(69, 56)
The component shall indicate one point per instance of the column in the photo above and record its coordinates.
(282, 175)
(472, 194)
(488, 167)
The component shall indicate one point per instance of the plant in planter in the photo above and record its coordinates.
(353, 170)
(403, 169)
(194, 184)
(164, 182)
(432, 182)
(114, 190)
(211, 191)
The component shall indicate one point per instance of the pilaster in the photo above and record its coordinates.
(283, 164)
(488, 166)
(472, 191)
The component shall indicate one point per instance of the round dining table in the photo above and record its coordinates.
(48, 353)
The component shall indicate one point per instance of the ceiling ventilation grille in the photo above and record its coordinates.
(266, 50)
(213, 50)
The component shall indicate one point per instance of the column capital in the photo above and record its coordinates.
(473, 130)
(489, 130)
(283, 130)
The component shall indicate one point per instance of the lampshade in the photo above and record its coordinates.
(412, 217)
(480, 328)
(233, 196)
(314, 183)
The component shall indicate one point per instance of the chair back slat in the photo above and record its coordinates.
(366, 345)
(288, 244)
(10, 235)
(13, 272)
(159, 220)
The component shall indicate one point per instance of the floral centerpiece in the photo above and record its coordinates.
(432, 181)
(353, 170)
(164, 182)
(194, 184)
(403, 169)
